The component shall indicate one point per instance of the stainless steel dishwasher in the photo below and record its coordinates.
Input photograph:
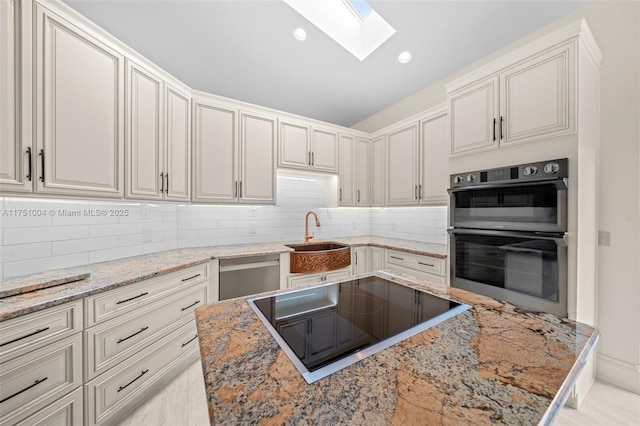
(243, 276)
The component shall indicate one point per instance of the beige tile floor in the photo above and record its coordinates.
(183, 403)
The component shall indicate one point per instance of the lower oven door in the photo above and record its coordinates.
(524, 269)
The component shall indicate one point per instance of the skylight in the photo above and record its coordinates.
(351, 23)
(360, 8)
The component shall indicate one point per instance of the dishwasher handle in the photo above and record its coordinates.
(240, 266)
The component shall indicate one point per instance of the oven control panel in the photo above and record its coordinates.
(535, 171)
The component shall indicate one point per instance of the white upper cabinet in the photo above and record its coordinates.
(177, 136)
(79, 137)
(402, 166)
(536, 97)
(324, 152)
(294, 146)
(143, 139)
(347, 171)
(157, 138)
(434, 173)
(363, 170)
(474, 114)
(16, 151)
(377, 173)
(257, 182)
(234, 154)
(215, 152)
(526, 100)
(305, 147)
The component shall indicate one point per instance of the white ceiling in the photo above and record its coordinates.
(245, 49)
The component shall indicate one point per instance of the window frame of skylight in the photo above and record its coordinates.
(351, 5)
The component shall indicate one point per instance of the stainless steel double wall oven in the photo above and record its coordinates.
(508, 234)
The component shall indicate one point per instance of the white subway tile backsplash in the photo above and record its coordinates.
(38, 243)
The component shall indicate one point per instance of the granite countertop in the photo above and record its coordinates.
(493, 364)
(34, 292)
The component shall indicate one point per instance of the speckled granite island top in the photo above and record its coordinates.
(492, 364)
(52, 288)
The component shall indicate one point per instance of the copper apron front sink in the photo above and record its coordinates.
(319, 257)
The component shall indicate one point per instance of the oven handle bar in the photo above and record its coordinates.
(560, 238)
(561, 184)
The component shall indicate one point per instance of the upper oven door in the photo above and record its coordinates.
(531, 206)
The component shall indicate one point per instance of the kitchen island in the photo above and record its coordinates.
(492, 364)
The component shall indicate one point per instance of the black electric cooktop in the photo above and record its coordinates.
(326, 328)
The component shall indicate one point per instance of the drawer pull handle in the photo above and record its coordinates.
(427, 264)
(190, 340)
(395, 257)
(132, 298)
(134, 334)
(141, 374)
(190, 278)
(37, 382)
(191, 305)
(25, 336)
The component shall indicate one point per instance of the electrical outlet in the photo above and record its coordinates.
(147, 236)
(145, 214)
(253, 228)
(253, 212)
(604, 238)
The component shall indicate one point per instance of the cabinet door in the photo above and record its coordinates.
(297, 280)
(215, 159)
(537, 98)
(324, 155)
(295, 151)
(143, 137)
(402, 166)
(363, 169)
(361, 260)
(257, 158)
(434, 179)
(337, 275)
(376, 258)
(15, 145)
(346, 172)
(377, 172)
(474, 118)
(178, 143)
(79, 137)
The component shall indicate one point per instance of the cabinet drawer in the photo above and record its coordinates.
(429, 264)
(107, 305)
(116, 340)
(38, 378)
(112, 393)
(26, 333)
(65, 411)
(418, 274)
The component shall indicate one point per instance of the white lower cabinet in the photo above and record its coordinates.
(142, 336)
(298, 280)
(367, 259)
(41, 357)
(425, 267)
(115, 393)
(65, 411)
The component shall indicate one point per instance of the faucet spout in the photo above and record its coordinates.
(307, 237)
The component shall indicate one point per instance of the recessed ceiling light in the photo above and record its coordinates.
(300, 34)
(404, 57)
